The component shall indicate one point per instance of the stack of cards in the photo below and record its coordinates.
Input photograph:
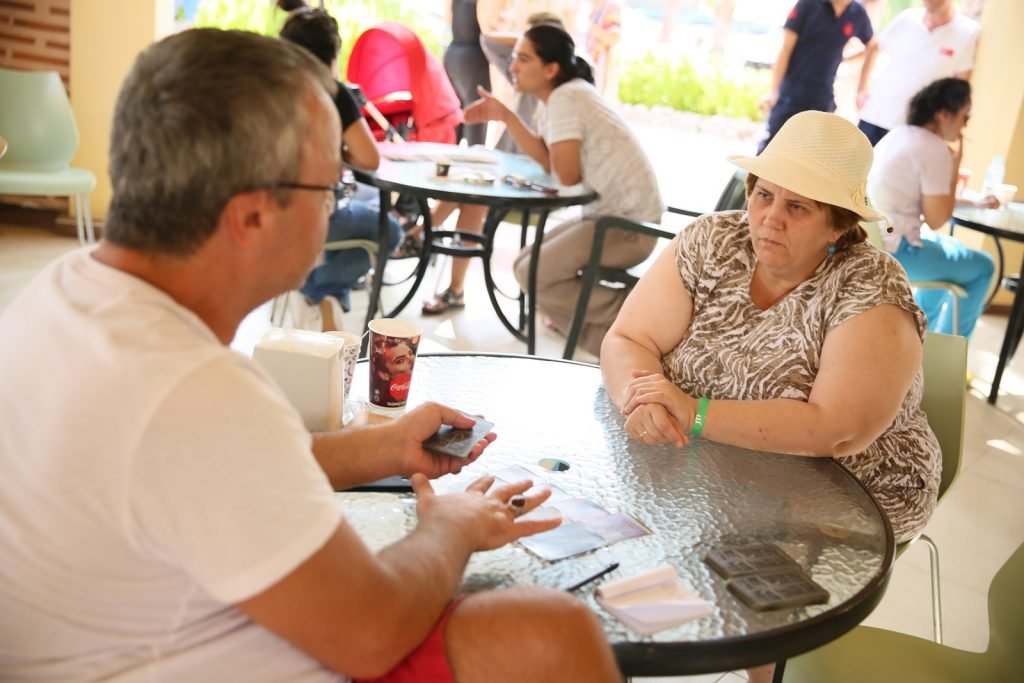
(652, 601)
(764, 577)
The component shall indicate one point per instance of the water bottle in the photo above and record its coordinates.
(993, 177)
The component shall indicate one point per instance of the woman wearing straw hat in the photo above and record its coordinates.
(780, 329)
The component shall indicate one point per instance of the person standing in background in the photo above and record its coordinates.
(804, 74)
(603, 34)
(466, 64)
(923, 44)
(327, 291)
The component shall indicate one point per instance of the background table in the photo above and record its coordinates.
(418, 178)
(693, 499)
(1006, 223)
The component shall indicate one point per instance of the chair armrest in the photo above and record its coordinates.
(684, 212)
(369, 246)
(606, 223)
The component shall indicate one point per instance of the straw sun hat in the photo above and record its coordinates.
(820, 156)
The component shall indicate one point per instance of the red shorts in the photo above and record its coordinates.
(428, 662)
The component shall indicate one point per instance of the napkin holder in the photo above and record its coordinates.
(309, 369)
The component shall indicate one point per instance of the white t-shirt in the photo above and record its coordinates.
(612, 162)
(910, 162)
(917, 57)
(152, 479)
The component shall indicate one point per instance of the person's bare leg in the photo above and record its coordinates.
(761, 674)
(528, 634)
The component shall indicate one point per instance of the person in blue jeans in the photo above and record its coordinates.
(329, 285)
(913, 180)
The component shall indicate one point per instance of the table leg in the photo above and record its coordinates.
(382, 261)
(421, 267)
(525, 226)
(1013, 332)
(999, 272)
(531, 292)
(494, 217)
(780, 671)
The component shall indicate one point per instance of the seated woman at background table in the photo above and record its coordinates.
(779, 329)
(581, 140)
(914, 178)
(329, 284)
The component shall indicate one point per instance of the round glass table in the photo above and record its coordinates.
(692, 499)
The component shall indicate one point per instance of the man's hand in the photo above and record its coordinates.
(487, 108)
(410, 431)
(486, 519)
(768, 101)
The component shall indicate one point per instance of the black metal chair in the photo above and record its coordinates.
(732, 197)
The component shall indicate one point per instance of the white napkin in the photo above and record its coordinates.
(652, 601)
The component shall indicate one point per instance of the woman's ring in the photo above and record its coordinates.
(517, 505)
(642, 435)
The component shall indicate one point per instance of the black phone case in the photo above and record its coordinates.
(753, 558)
(778, 590)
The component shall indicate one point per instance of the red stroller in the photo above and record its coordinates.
(406, 87)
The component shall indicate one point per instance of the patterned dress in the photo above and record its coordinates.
(735, 351)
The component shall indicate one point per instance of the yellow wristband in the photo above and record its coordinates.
(698, 419)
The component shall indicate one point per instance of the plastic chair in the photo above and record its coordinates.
(732, 197)
(872, 654)
(37, 121)
(954, 290)
(945, 403)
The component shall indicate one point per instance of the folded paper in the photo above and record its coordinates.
(652, 601)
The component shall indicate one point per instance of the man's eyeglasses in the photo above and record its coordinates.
(339, 191)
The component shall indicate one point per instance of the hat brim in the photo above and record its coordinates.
(808, 181)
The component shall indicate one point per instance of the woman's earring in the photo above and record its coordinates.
(831, 249)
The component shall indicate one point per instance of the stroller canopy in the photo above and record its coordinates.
(389, 57)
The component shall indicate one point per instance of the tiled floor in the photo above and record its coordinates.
(977, 526)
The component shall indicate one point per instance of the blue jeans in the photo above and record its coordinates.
(342, 269)
(942, 257)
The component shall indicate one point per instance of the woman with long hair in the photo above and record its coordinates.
(913, 180)
(581, 140)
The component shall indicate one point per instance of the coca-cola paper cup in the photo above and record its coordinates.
(393, 345)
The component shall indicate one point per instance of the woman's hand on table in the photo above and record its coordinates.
(485, 513)
(652, 423)
(649, 389)
(419, 424)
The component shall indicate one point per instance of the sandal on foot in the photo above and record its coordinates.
(444, 301)
(410, 247)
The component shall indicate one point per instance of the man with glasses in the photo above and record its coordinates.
(164, 514)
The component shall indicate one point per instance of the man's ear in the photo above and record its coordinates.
(246, 216)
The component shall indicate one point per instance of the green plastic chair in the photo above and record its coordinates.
(955, 291)
(872, 654)
(38, 124)
(945, 403)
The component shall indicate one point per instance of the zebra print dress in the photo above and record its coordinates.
(734, 350)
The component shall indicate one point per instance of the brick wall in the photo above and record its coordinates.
(34, 36)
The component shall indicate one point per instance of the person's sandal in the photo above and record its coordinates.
(444, 301)
(410, 247)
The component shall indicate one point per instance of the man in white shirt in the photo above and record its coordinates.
(165, 516)
(923, 44)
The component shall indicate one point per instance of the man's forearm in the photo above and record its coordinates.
(354, 455)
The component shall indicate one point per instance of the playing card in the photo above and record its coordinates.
(457, 443)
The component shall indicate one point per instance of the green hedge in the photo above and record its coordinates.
(354, 17)
(709, 89)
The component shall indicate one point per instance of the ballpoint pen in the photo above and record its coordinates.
(580, 584)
